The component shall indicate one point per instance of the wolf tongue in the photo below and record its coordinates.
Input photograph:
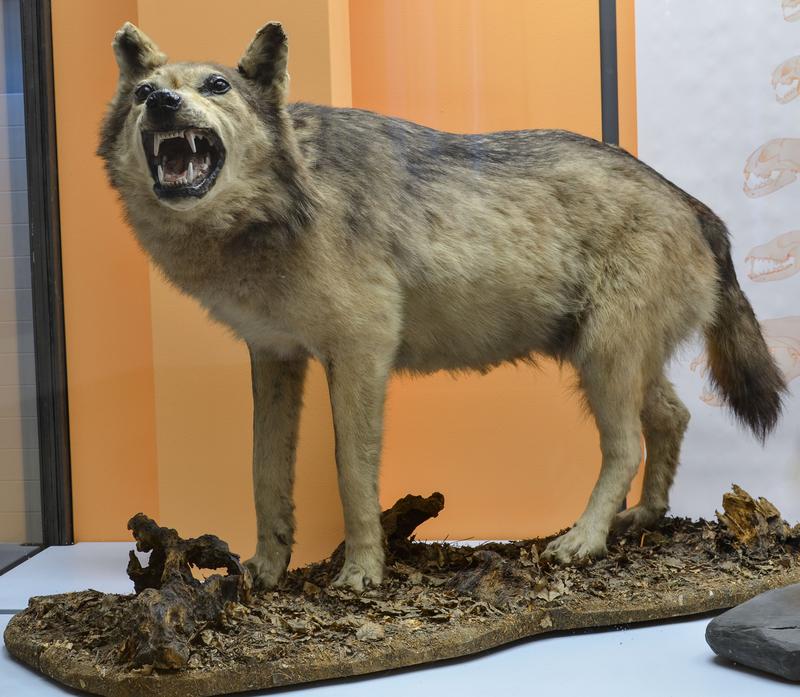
(175, 164)
(183, 165)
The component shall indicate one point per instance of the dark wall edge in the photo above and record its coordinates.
(609, 85)
(45, 241)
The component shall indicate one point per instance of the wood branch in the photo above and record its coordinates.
(401, 520)
(399, 523)
(172, 605)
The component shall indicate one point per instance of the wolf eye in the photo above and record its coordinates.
(142, 92)
(216, 84)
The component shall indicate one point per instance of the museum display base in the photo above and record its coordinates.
(439, 601)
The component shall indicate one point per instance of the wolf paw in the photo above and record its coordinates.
(576, 545)
(637, 518)
(357, 575)
(266, 572)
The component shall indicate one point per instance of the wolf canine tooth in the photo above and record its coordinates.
(190, 139)
(190, 173)
(160, 174)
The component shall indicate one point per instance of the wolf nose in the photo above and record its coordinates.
(163, 103)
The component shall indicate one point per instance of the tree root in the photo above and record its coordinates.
(172, 605)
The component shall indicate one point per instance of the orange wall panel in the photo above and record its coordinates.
(160, 402)
(512, 451)
(484, 65)
(626, 69)
(202, 374)
(106, 288)
(339, 38)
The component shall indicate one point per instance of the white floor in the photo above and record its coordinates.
(671, 659)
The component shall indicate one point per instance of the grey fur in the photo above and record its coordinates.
(375, 245)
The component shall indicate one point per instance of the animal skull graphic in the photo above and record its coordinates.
(777, 259)
(786, 80)
(772, 166)
(791, 10)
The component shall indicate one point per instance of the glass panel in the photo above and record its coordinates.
(20, 502)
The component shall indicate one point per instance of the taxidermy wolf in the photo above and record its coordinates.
(376, 245)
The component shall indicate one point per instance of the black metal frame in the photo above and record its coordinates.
(609, 87)
(45, 242)
(609, 84)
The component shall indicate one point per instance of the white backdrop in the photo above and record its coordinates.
(719, 115)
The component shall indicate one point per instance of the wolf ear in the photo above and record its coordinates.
(136, 53)
(265, 60)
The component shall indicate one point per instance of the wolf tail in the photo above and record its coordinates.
(742, 368)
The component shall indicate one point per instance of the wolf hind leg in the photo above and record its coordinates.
(613, 383)
(664, 422)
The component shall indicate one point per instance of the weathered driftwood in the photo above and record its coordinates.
(401, 520)
(754, 523)
(439, 601)
(172, 606)
(399, 523)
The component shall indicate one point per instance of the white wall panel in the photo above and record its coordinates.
(705, 103)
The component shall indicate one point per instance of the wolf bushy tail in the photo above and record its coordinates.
(742, 368)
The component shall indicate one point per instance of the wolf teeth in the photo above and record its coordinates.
(194, 168)
(159, 138)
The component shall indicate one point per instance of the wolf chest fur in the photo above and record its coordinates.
(375, 245)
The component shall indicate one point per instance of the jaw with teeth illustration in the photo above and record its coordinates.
(772, 166)
(786, 80)
(791, 10)
(777, 259)
(783, 339)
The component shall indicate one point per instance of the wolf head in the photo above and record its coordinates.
(179, 136)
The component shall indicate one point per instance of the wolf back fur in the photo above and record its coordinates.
(377, 245)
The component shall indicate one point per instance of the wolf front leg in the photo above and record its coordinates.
(277, 399)
(357, 385)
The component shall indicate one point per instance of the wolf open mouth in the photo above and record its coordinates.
(183, 163)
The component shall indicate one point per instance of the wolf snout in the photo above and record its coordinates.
(162, 104)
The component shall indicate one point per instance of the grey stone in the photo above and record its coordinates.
(762, 633)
